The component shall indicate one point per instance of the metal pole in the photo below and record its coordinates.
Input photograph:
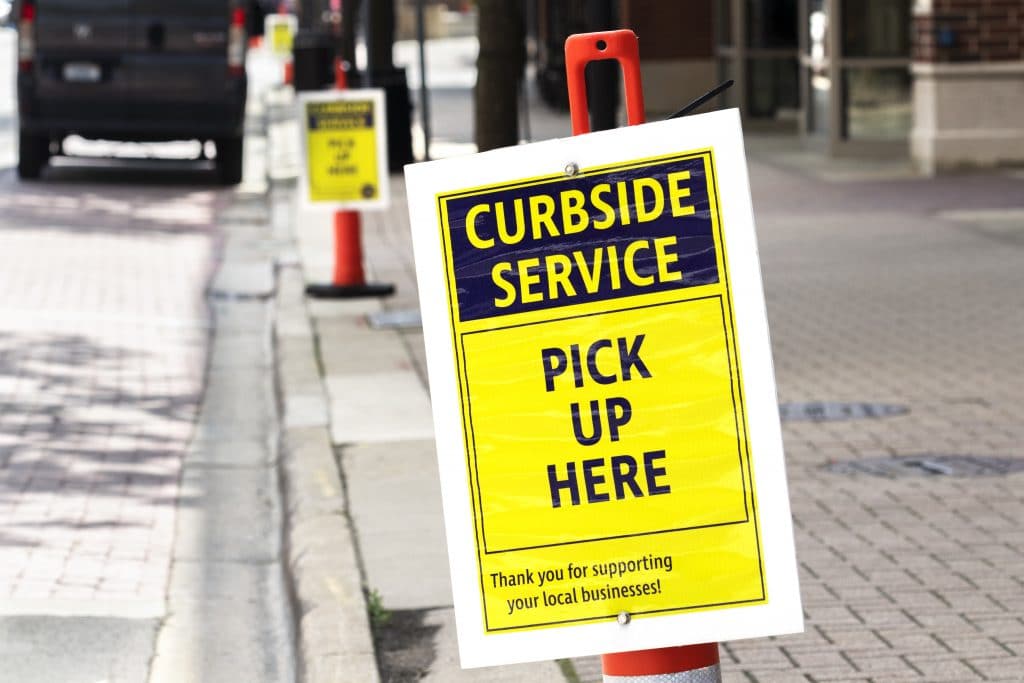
(602, 76)
(424, 99)
(530, 22)
(524, 110)
(380, 36)
(381, 72)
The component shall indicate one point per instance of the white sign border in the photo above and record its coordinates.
(383, 199)
(782, 614)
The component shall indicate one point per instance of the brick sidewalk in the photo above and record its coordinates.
(903, 577)
(102, 348)
(876, 295)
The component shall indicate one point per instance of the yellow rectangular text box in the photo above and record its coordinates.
(618, 456)
(607, 441)
(342, 151)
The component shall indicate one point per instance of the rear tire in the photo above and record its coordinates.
(229, 160)
(33, 153)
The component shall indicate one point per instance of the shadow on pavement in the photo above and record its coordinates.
(68, 432)
(405, 645)
(108, 196)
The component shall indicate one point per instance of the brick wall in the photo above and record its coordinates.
(970, 31)
(671, 30)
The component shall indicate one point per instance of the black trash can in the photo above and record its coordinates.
(313, 60)
(399, 104)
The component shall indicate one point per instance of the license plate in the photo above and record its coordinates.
(81, 72)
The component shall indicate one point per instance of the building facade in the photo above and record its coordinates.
(938, 81)
(968, 76)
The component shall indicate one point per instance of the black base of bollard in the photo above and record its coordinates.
(349, 291)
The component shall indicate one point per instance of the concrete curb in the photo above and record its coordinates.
(334, 638)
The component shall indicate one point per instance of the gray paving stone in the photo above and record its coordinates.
(378, 407)
(247, 280)
(49, 649)
(395, 497)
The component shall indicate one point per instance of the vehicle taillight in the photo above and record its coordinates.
(236, 43)
(27, 35)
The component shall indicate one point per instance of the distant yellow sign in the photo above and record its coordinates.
(345, 161)
(281, 38)
(280, 31)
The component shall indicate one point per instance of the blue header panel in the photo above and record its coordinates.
(341, 115)
(602, 235)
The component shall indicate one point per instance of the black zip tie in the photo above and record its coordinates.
(714, 92)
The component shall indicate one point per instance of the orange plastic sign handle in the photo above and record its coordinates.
(583, 48)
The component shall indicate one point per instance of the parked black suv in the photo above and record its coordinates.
(144, 70)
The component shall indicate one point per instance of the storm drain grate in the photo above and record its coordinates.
(823, 411)
(931, 465)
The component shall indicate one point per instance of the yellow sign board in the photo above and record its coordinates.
(604, 437)
(345, 160)
(596, 334)
(279, 30)
(281, 38)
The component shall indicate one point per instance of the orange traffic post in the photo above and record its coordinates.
(348, 248)
(688, 663)
(685, 664)
(583, 48)
(348, 279)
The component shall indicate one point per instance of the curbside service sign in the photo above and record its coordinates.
(344, 147)
(279, 30)
(603, 395)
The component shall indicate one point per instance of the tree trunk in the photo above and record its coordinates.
(349, 30)
(499, 76)
(380, 36)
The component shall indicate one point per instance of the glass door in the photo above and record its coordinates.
(855, 74)
(816, 67)
(772, 77)
(875, 74)
(757, 46)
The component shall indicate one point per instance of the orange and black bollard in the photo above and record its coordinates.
(583, 48)
(683, 664)
(348, 279)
